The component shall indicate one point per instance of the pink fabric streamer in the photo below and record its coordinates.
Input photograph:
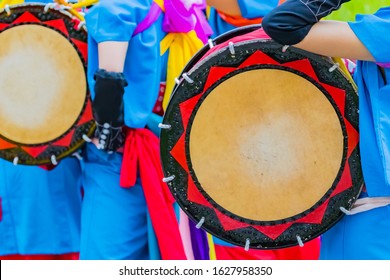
(182, 18)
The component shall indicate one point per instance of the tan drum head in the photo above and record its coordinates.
(257, 144)
(43, 84)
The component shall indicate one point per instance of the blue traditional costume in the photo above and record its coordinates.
(125, 201)
(365, 235)
(40, 210)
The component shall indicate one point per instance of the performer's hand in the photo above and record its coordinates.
(108, 109)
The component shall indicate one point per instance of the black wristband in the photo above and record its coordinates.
(108, 106)
(289, 23)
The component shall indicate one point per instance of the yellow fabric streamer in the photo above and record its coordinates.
(160, 3)
(182, 47)
(9, 2)
(212, 254)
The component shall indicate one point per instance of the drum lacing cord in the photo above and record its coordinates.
(300, 242)
(80, 25)
(211, 43)
(55, 6)
(168, 179)
(78, 156)
(53, 160)
(366, 204)
(187, 78)
(200, 223)
(231, 49)
(164, 126)
(7, 10)
(86, 138)
(177, 81)
(247, 244)
(334, 67)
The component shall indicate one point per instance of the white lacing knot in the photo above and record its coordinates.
(53, 160)
(78, 156)
(285, 47)
(164, 126)
(80, 25)
(200, 223)
(247, 244)
(168, 179)
(231, 49)
(7, 10)
(300, 242)
(177, 81)
(187, 78)
(211, 43)
(334, 67)
(86, 138)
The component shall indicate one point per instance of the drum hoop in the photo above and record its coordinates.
(186, 90)
(42, 153)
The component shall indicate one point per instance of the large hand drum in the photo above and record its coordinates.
(45, 108)
(260, 142)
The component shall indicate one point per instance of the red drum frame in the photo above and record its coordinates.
(206, 167)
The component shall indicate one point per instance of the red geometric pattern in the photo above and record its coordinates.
(187, 107)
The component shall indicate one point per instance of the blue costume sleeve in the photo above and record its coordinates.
(373, 32)
(374, 101)
(255, 8)
(116, 20)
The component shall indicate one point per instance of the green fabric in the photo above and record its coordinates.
(349, 10)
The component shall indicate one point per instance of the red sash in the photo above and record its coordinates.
(141, 155)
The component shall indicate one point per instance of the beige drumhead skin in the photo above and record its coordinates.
(43, 85)
(266, 144)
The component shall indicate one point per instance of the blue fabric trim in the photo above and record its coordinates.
(254, 9)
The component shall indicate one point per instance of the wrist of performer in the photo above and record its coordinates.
(108, 109)
(290, 22)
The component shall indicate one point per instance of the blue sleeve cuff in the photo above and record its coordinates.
(255, 8)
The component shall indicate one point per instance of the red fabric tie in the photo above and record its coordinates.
(141, 155)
